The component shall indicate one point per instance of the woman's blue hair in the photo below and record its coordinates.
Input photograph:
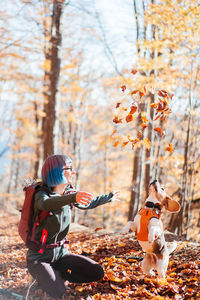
(52, 169)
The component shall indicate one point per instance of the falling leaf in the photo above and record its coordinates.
(134, 142)
(129, 118)
(144, 126)
(169, 148)
(118, 104)
(134, 71)
(116, 144)
(130, 139)
(123, 87)
(159, 130)
(141, 94)
(167, 111)
(162, 93)
(154, 105)
(160, 106)
(124, 144)
(117, 120)
(134, 92)
(157, 118)
(133, 108)
(98, 228)
(114, 131)
(144, 119)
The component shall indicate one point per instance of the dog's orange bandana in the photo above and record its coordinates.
(146, 214)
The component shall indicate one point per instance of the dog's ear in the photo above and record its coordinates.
(171, 205)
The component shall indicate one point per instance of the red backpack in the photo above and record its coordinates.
(27, 223)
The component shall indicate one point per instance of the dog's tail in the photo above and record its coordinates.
(171, 246)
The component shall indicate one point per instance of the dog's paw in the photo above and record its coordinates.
(148, 272)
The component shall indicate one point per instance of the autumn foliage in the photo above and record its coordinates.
(120, 255)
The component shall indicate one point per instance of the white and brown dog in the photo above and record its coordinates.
(148, 228)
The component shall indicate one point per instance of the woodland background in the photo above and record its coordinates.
(63, 65)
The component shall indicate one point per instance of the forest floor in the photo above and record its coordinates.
(120, 255)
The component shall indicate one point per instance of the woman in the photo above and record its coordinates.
(53, 264)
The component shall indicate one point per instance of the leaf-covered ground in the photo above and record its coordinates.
(120, 256)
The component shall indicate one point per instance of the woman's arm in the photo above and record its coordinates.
(45, 202)
(100, 200)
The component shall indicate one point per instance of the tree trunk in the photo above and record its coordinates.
(149, 152)
(52, 57)
(37, 146)
(136, 173)
(141, 171)
(136, 182)
(177, 221)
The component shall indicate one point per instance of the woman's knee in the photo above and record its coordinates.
(48, 279)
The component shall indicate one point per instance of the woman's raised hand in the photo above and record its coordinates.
(83, 198)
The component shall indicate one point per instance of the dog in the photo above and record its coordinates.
(148, 228)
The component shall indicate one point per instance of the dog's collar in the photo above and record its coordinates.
(153, 205)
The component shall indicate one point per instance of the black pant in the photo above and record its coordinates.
(71, 267)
